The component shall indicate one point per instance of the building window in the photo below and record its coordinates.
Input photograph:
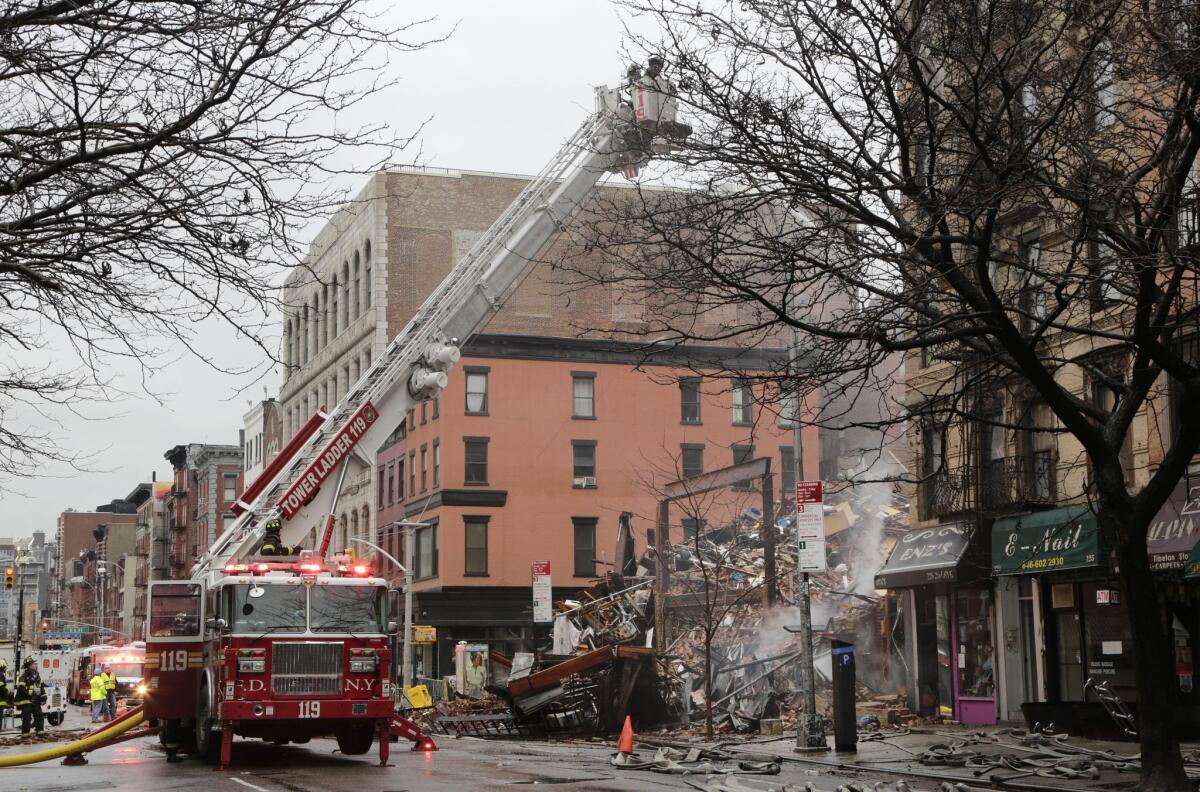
(743, 403)
(1105, 98)
(787, 471)
(1039, 476)
(583, 394)
(933, 472)
(475, 454)
(1032, 302)
(689, 400)
(400, 479)
(477, 391)
(367, 266)
(692, 459)
(424, 467)
(391, 486)
(437, 463)
(741, 455)
(691, 528)
(424, 411)
(583, 457)
(412, 473)
(437, 406)
(425, 548)
(585, 546)
(476, 543)
(412, 420)
(229, 487)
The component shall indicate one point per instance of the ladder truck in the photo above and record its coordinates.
(289, 647)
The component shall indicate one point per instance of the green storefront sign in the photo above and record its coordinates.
(1066, 538)
(1191, 568)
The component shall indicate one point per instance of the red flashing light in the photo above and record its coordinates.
(263, 567)
(361, 570)
(310, 567)
(427, 745)
(231, 567)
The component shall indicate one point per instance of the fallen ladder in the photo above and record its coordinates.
(1115, 708)
(503, 724)
(401, 726)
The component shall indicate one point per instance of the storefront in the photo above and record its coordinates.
(1083, 627)
(948, 625)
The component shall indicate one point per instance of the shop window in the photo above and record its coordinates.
(976, 654)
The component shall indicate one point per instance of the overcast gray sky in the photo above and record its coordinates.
(503, 92)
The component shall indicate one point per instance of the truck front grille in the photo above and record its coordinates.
(306, 668)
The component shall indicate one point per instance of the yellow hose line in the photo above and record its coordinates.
(79, 746)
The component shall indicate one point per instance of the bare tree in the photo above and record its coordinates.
(158, 162)
(1003, 191)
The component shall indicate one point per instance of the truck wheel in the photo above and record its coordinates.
(55, 718)
(208, 742)
(356, 740)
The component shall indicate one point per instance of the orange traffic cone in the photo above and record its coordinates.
(625, 744)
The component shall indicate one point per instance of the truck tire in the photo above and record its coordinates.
(357, 739)
(55, 718)
(208, 742)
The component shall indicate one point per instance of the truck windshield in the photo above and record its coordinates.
(261, 609)
(348, 609)
(127, 669)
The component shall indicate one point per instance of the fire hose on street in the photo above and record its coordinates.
(108, 733)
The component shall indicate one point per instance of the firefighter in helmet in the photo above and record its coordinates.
(272, 545)
(30, 695)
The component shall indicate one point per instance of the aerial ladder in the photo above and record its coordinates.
(624, 132)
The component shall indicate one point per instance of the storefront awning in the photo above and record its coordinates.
(1175, 529)
(924, 556)
(1066, 538)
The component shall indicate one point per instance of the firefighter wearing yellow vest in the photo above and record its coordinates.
(31, 694)
(98, 696)
(110, 693)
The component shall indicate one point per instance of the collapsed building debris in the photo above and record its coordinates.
(720, 636)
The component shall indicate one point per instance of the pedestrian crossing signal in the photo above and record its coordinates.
(8, 577)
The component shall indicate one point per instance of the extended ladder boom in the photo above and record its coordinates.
(302, 491)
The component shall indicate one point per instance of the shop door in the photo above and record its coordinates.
(934, 694)
(1068, 651)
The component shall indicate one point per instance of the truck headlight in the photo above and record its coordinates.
(362, 665)
(141, 690)
(252, 666)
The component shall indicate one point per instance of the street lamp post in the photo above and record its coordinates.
(407, 568)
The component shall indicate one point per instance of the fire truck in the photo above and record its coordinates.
(287, 648)
(127, 663)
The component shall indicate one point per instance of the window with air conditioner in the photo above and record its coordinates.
(583, 458)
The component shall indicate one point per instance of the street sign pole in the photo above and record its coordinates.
(810, 727)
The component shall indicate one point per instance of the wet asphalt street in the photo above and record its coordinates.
(460, 764)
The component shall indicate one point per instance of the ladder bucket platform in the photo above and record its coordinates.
(402, 727)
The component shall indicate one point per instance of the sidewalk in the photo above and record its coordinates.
(997, 756)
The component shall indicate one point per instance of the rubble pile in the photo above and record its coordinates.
(726, 634)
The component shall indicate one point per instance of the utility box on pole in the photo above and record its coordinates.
(845, 716)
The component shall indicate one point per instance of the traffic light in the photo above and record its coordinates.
(8, 577)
